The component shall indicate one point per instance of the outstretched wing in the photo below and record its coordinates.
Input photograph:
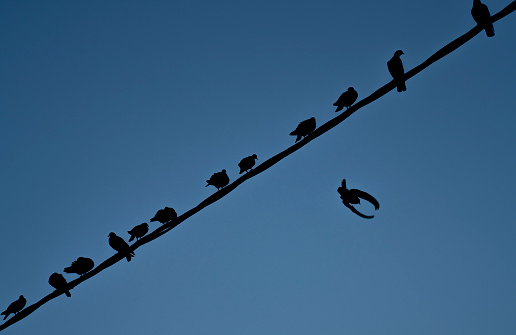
(367, 197)
(358, 213)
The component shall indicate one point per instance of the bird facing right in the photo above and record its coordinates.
(138, 231)
(247, 163)
(218, 179)
(482, 17)
(395, 66)
(304, 128)
(15, 307)
(346, 99)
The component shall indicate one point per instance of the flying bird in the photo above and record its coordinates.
(218, 179)
(58, 282)
(304, 128)
(396, 70)
(121, 246)
(15, 307)
(346, 99)
(80, 266)
(353, 196)
(247, 163)
(139, 231)
(482, 17)
(164, 215)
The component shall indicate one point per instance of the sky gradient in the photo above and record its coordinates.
(113, 110)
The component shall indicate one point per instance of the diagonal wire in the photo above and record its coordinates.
(447, 49)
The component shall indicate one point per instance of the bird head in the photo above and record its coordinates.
(111, 234)
(398, 53)
(223, 170)
(351, 89)
(254, 156)
(21, 297)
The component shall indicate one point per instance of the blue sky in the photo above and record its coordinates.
(112, 110)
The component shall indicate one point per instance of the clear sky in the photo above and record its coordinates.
(111, 110)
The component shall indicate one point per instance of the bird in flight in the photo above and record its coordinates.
(352, 197)
(396, 70)
(482, 17)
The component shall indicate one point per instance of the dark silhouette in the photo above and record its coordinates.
(118, 243)
(346, 99)
(218, 179)
(482, 17)
(15, 307)
(139, 231)
(164, 215)
(396, 70)
(247, 163)
(304, 128)
(80, 266)
(58, 282)
(353, 196)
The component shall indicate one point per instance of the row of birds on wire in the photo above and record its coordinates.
(349, 197)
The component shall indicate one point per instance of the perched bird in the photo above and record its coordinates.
(80, 266)
(304, 128)
(353, 196)
(15, 307)
(164, 215)
(482, 17)
(139, 231)
(218, 179)
(396, 70)
(118, 243)
(58, 282)
(346, 99)
(247, 163)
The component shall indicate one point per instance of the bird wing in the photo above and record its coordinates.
(357, 212)
(367, 197)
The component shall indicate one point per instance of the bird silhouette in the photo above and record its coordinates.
(57, 281)
(304, 128)
(396, 70)
(15, 307)
(247, 163)
(164, 215)
(353, 196)
(139, 231)
(80, 266)
(121, 246)
(346, 99)
(482, 17)
(218, 179)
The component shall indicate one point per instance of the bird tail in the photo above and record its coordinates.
(208, 183)
(68, 294)
(490, 30)
(401, 86)
(128, 257)
(132, 237)
(298, 137)
(5, 313)
(338, 109)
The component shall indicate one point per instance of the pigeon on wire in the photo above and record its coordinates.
(15, 307)
(80, 266)
(304, 128)
(121, 246)
(139, 231)
(482, 17)
(218, 179)
(346, 99)
(247, 163)
(164, 215)
(352, 197)
(58, 282)
(396, 70)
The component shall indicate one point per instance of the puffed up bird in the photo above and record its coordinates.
(396, 70)
(80, 266)
(482, 17)
(304, 128)
(165, 215)
(247, 163)
(121, 246)
(218, 179)
(139, 231)
(15, 307)
(353, 196)
(346, 99)
(57, 281)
